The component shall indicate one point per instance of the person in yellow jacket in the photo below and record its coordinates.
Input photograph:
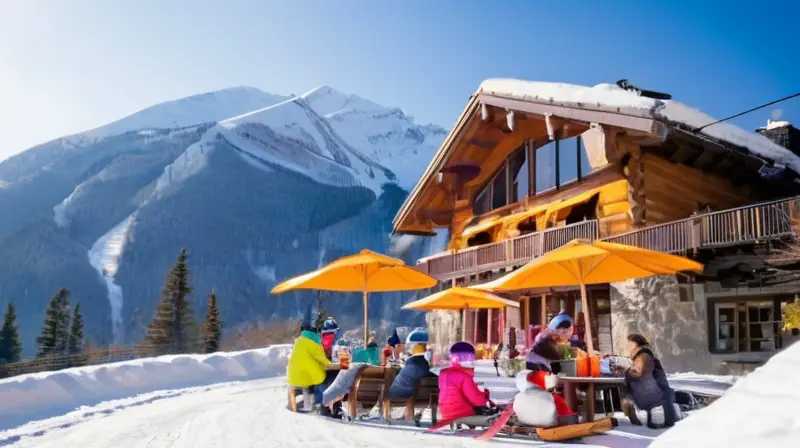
(307, 363)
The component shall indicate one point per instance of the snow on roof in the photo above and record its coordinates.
(759, 410)
(612, 97)
(777, 124)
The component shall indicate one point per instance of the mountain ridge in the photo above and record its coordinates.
(256, 197)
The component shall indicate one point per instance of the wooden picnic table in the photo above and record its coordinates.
(571, 383)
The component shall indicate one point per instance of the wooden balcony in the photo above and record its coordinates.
(515, 251)
(745, 225)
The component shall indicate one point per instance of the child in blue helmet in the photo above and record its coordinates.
(553, 344)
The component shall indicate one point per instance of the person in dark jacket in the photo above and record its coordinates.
(415, 368)
(550, 344)
(647, 383)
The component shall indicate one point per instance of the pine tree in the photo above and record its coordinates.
(10, 345)
(62, 332)
(320, 311)
(53, 337)
(173, 326)
(212, 326)
(76, 337)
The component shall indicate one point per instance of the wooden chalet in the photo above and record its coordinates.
(530, 166)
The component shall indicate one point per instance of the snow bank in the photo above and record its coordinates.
(43, 395)
(612, 97)
(759, 410)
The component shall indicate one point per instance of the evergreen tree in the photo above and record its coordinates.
(76, 337)
(212, 326)
(10, 344)
(53, 338)
(320, 311)
(173, 326)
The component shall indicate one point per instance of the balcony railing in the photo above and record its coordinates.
(515, 251)
(743, 225)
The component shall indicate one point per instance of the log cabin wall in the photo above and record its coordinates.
(672, 191)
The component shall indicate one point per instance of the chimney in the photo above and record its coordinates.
(782, 133)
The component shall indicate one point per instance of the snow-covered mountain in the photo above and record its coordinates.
(261, 183)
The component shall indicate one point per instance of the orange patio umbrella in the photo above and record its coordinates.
(582, 263)
(364, 272)
(460, 298)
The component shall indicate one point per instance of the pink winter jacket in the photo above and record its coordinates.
(458, 393)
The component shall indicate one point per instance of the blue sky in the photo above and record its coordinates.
(66, 66)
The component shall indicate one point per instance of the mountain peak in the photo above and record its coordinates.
(326, 101)
(187, 111)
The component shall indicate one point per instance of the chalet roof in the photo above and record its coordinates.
(609, 97)
(605, 104)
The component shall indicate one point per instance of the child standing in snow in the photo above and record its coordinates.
(459, 395)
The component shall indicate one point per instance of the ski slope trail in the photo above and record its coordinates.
(248, 414)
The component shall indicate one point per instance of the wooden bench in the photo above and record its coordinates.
(425, 395)
(369, 388)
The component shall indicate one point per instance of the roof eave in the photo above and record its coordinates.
(440, 158)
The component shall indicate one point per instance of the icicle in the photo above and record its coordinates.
(484, 112)
(550, 132)
(510, 120)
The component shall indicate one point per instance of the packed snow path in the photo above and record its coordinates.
(250, 414)
(247, 414)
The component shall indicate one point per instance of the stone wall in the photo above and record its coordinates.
(444, 329)
(678, 331)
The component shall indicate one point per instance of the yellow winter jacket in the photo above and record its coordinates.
(307, 363)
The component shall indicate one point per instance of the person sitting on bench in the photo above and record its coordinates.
(459, 395)
(308, 363)
(415, 368)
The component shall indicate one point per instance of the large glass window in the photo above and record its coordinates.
(499, 189)
(518, 170)
(545, 167)
(556, 164)
(567, 160)
(483, 202)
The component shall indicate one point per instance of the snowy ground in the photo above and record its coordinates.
(119, 406)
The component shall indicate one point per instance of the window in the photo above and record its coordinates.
(518, 171)
(545, 167)
(499, 190)
(553, 164)
(568, 160)
(746, 326)
(483, 202)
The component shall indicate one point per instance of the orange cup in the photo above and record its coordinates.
(582, 366)
(344, 359)
(594, 366)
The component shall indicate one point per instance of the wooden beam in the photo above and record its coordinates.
(482, 143)
(576, 113)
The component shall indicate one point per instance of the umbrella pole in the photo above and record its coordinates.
(366, 326)
(464, 323)
(586, 320)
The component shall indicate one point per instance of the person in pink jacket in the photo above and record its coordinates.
(459, 396)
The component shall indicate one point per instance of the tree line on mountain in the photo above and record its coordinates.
(173, 329)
